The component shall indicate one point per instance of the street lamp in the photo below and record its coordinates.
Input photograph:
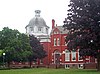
(91, 41)
(3, 58)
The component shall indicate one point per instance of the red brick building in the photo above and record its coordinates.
(55, 46)
(59, 55)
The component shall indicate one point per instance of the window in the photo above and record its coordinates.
(46, 30)
(95, 60)
(67, 55)
(65, 40)
(67, 66)
(40, 29)
(34, 62)
(58, 41)
(73, 55)
(79, 57)
(55, 32)
(65, 43)
(80, 66)
(55, 42)
(41, 61)
(31, 28)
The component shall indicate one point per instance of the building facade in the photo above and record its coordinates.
(55, 46)
(61, 57)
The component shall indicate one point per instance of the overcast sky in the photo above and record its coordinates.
(16, 14)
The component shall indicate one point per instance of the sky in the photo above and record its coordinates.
(16, 14)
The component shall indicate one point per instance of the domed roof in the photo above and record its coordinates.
(37, 20)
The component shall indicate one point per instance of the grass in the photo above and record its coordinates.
(48, 71)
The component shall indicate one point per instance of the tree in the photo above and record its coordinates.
(83, 23)
(37, 49)
(15, 45)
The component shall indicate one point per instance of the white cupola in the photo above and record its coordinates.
(37, 26)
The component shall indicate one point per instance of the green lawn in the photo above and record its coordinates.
(48, 71)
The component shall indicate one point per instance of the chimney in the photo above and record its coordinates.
(53, 23)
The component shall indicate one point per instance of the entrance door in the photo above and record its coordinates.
(57, 58)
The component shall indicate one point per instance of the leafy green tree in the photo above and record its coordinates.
(15, 45)
(83, 23)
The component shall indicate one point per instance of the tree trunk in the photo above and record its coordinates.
(8, 63)
(98, 62)
(30, 64)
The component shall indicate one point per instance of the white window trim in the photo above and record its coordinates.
(66, 67)
(72, 56)
(95, 60)
(40, 29)
(55, 42)
(58, 41)
(79, 56)
(56, 32)
(31, 29)
(67, 53)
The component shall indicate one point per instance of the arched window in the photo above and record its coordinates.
(55, 42)
(79, 57)
(67, 55)
(31, 29)
(73, 55)
(40, 29)
(58, 41)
